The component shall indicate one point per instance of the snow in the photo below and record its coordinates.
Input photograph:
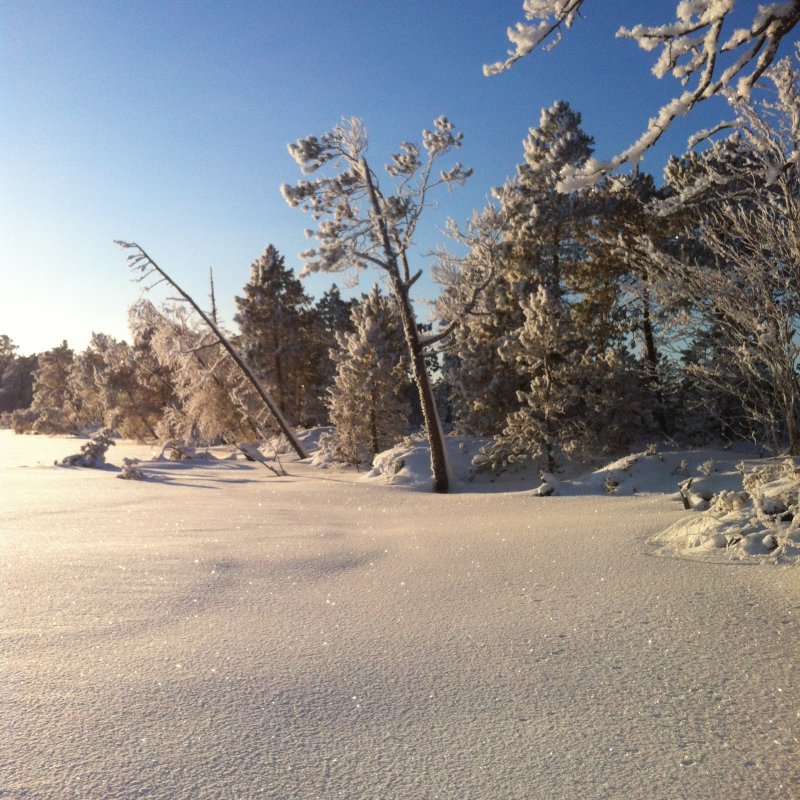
(215, 632)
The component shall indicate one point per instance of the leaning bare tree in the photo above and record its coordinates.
(360, 225)
(140, 261)
(695, 49)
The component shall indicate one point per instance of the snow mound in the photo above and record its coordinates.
(309, 438)
(408, 463)
(735, 536)
(709, 471)
(759, 519)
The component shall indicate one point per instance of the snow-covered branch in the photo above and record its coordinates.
(691, 50)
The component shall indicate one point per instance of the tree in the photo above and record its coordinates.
(275, 333)
(140, 261)
(52, 397)
(482, 390)
(329, 316)
(360, 224)
(210, 403)
(366, 399)
(542, 363)
(743, 284)
(154, 381)
(548, 419)
(528, 242)
(617, 281)
(16, 377)
(86, 404)
(693, 48)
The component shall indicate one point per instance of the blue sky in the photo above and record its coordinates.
(167, 122)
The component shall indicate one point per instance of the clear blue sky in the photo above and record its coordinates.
(166, 123)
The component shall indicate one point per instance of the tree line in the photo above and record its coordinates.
(575, 318)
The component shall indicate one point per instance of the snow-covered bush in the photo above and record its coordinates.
(92, 454)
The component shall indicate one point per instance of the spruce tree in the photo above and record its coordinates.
(366, 399)
(274, 324)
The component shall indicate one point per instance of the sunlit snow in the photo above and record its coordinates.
(216, 632)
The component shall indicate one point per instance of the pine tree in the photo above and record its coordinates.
(544, 365)
(16, 377)
(361, 223)
(329, 316)
(540, 227)
(155, 387)
(366, 400)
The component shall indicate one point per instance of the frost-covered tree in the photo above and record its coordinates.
(698, 48)
(543, 363)
(86, 404)
(209, 402)
(155, 389)
(742, 282)
(140, 261)
(329, 316)
(275, 333)
(366, 402)
(482, 390)
(125, 396)
(617, 299)
(529, 241)
(361, 223)
(16, 377)
(52, 396)
(547, 421)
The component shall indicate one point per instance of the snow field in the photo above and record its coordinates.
(218, 633)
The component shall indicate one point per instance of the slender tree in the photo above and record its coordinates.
(140, 261)
(360, 224)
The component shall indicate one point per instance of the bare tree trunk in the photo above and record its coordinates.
(373, 424)
(651, 364)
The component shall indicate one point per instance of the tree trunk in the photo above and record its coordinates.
(373, 424)
(651, 364)
(142, 262)
(433, 428)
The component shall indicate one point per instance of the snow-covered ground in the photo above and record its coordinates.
(215, 632)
